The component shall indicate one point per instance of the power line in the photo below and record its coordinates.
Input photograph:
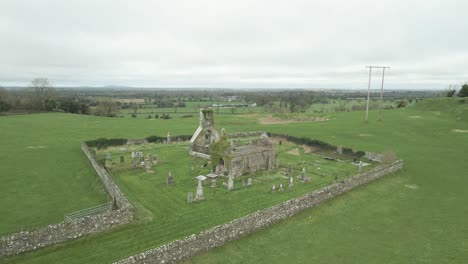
(381, 89)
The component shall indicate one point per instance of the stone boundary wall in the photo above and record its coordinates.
(136, 141)
(14, 244)
(245, 134)
(217, 236)
(111, 187)
(374, 156)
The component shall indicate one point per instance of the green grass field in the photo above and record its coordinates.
(416, 216)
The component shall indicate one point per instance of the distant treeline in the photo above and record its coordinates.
(40, 96)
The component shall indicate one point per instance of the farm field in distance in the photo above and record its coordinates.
(414, 133)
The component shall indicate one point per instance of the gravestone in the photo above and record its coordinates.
(193, 168)
(360, 166)
(303, 174)
(281, 187)
(249, 182)
(213, 183)
(170, 179)
(289, 167)
(148, 167)
(190, 197)
(243, 183)
(273, 188)
(339, 149)
(200, 196)
(122, 159)
(109, 156)
(291, 181)
(137, 154)
(230, 184)
(168, 138)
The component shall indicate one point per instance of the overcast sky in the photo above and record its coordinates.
(215, 43)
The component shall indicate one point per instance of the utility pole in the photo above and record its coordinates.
(381, 93)
(381, 90)
(368, 92)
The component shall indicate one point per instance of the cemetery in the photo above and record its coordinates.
(251, 163)
(163, 180)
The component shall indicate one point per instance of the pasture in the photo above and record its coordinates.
(386, 221)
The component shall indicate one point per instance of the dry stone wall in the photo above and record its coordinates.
(245, 134)
(374, 156)
(180, 250)
(30, 240)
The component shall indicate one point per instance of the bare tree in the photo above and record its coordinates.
(43, 92)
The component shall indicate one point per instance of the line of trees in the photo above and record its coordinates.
(452, 90)
(41, 96)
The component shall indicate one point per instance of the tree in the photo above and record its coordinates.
(4, 100)
(463, 91)
(106, 108)
(43, 92)
(401, 104)
(450, 91)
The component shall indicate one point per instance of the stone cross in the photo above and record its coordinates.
(199, 195)
(190, 197)
(230, 184)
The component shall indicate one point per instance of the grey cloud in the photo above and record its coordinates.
(215, 43)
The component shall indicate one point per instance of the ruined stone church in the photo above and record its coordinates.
(237, 160)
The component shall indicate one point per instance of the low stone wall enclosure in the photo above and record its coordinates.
(30, 240)
(219, 235)
(122, 212)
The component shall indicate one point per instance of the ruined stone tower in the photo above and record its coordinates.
(205, 134)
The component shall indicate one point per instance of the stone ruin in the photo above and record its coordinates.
(204, 136)
(237, 160)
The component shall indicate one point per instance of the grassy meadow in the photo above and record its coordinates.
(416, 216)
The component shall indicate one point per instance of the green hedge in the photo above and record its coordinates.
(101, 143)
(158, 139)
